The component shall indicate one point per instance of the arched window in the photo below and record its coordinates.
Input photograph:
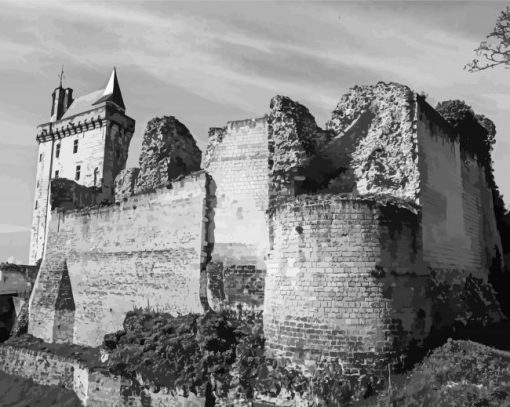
(96, 172)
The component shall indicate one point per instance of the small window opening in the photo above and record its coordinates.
(96, 171)
(75, 147)
(40, 157)
(56, 173)
(78, 170)
(35, 205)
(57, 151)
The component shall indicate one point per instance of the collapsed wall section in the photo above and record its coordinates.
(237, 160)
(345, 280)
(375, 144)
(150, 251)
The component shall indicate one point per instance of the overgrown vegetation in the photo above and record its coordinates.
(459, 373)
(220, 353)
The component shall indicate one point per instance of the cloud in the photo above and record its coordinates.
(6, 228)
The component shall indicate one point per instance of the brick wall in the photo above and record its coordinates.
(94, 387)
(148, 251)
(459, 230)
(237, 159)
(345, 280)
(238, 164)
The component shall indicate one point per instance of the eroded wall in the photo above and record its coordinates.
(237, 160)
(148, 251)
(459, 230)
(345, 279)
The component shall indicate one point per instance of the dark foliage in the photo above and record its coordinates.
(495, 50)
(459, 373)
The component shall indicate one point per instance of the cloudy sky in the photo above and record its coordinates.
(210, 62)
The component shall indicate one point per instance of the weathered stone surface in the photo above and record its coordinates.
(68, 194)
(375, 129)
(168, 151)
(125, 183)
(150, 250)
(294, 139)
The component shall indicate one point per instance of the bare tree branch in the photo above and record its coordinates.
(495, 50)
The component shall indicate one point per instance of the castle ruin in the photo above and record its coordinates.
(357, 240)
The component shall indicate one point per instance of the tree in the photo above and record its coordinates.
(495, 50)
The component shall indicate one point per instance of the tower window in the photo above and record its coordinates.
(37, 183)
(56, 173)
(35, 205)
(78, 170)
(96, 171)
(57, 151)
(75, 147)
(40, 157)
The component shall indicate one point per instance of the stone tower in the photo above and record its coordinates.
(86, 141)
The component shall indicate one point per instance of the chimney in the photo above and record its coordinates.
(57, 107)
(68, 99)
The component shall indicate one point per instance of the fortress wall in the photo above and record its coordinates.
(479, 215)
(459, 230)
(147, 251)
(345, 279)
(237, 160)
(446, 244)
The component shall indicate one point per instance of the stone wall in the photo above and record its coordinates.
(459, 230)
(345, 280)
(94, 387)
(237, 160)
(375, 141)
(150, 250)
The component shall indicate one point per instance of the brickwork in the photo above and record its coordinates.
(148, 251)
(344, 280)
(238, 164)
(235, 286)
(94, 387)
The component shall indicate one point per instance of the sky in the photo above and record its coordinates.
(210, 62)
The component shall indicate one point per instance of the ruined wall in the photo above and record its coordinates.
(168, 151)
(459, 230)
(345, 279)
(237, 160)
(375, 142)
(147, 251)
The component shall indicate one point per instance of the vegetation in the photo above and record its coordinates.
(220, 353)
(459, 373)
(495, 50)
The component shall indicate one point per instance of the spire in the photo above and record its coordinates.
(61, 76)
(112, 92)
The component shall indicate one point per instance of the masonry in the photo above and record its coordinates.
(357, 241)
(147, 251)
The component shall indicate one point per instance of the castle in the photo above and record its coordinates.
(356, 240)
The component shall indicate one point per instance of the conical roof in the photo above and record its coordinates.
(110, 93)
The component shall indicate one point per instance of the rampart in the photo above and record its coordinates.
(345, 280)
(150, 250)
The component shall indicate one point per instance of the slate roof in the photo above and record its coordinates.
(110, 93)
